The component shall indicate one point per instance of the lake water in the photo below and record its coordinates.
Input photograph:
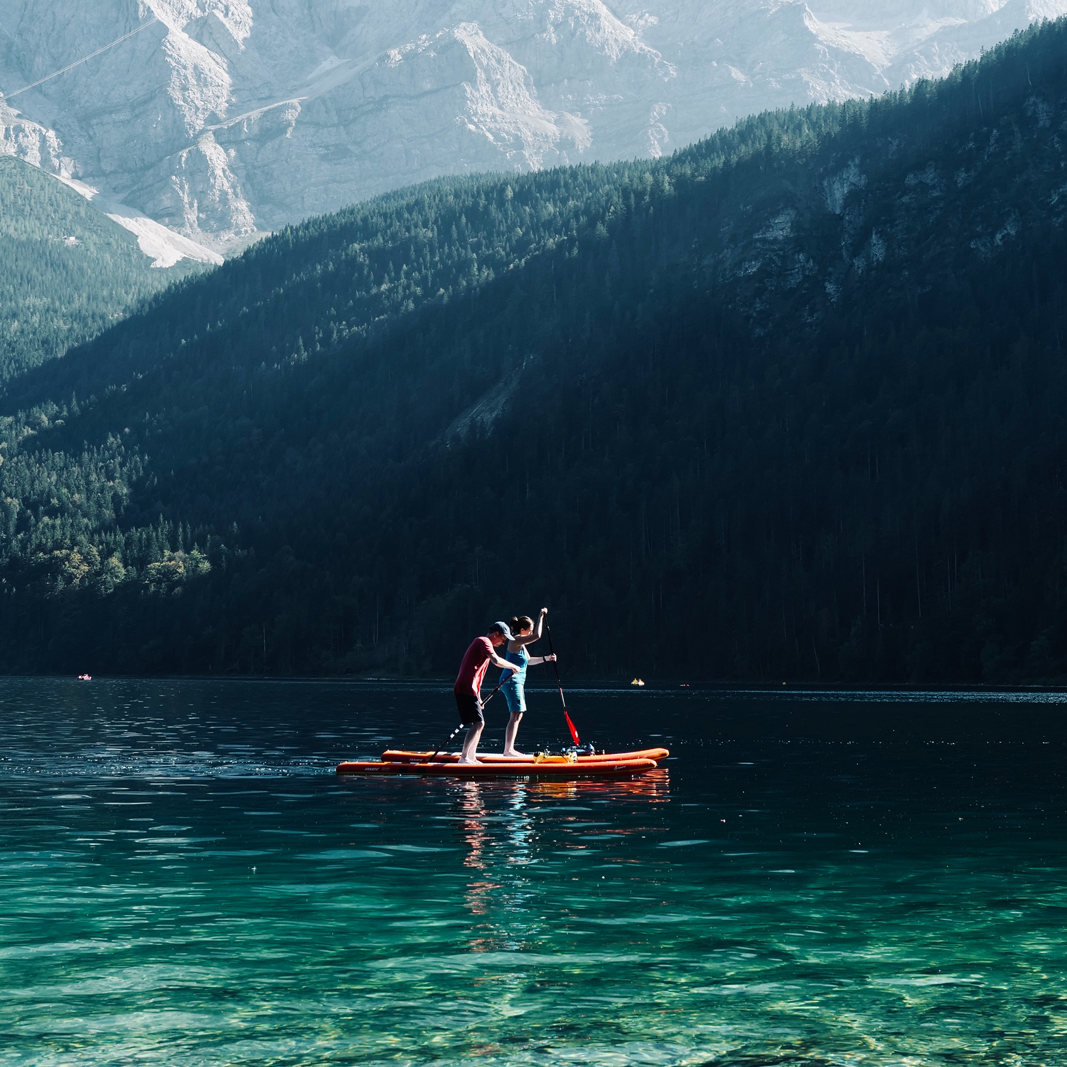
(812, 878)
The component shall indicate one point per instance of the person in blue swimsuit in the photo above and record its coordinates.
(523, 632)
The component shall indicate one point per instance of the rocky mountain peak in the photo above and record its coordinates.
(217, 120)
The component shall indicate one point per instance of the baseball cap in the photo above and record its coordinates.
(503, 628)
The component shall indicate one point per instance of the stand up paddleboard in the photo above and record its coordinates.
(560, 767)
(568, 765)
(400, 755)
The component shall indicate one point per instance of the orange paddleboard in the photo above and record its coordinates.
(546, 768)
(399, 755)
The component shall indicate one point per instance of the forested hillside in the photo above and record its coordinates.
(66, 270)
(785, 405)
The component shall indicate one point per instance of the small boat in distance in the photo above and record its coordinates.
(638, 681)
(85, 677)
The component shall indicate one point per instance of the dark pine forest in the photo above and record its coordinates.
(67, 271)
(789, 404)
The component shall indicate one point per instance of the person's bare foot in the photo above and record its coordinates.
(471, 762)
(512, 752)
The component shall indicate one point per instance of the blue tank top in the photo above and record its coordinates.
(522, 658)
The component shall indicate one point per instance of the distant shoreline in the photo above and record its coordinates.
(576, 685)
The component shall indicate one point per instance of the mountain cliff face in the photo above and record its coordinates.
(219, 119)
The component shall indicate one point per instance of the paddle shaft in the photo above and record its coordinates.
(444, 744)
(559, 685)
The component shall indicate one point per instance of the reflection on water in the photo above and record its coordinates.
(502, 826)
(808, 881)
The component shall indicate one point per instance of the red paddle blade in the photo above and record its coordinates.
(570, 726)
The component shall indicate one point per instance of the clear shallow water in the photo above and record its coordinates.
(813, 879)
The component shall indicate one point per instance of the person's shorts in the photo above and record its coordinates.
(515, 695)
(470, 709)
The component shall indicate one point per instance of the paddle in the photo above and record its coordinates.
(463, 726)
(559, 684)
(444, 744)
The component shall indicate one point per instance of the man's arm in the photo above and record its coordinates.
(499, 661)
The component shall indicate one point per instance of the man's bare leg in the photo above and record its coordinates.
(470, 744)
(509, 734)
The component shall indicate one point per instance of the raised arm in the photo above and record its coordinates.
(535, 634)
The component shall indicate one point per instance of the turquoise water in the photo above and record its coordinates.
(812, 878)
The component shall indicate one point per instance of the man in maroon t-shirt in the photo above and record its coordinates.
(468, 687)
